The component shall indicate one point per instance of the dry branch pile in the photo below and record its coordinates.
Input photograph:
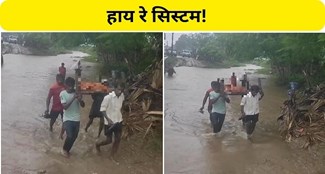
(143, 107)
(304, 116)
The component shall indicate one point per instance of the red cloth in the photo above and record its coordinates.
(54, 92)
(209, 90)
(62, 70)
(209, 104)
(234, 80)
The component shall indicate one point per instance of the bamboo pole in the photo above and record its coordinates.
(78, 77)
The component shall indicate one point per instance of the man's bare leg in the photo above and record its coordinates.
(103, 143)
(52, 121)
(115, 147)
(62, 132)
(101, 126)
(89, 123)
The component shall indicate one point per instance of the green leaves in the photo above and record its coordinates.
(136, 51)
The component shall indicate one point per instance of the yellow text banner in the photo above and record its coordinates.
(162, 15)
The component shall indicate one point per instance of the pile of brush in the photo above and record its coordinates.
(143, 106)
(303, 116)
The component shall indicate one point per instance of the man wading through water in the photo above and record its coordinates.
(62, 70)
(95, 111)
(250, 109)
(218, 99)
(111, 110)
(71, 117)
(57, 107)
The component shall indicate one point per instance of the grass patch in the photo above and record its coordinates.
(86, 49)
(263, 71)
(155, 143)
(90, 58)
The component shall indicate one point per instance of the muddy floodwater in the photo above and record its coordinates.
(27, 146)
(190, 149)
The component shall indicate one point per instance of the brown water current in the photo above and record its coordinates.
(27, 146)
(189, 147)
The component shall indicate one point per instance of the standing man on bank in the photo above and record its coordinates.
(233, 80)
(62, 70)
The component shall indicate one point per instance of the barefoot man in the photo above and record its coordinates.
(71, 102)
(111, 110)
(57, 107)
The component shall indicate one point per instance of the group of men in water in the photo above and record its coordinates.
(217, 99)
(66, 101)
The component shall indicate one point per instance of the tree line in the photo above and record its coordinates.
(292, 56)
(130, 52)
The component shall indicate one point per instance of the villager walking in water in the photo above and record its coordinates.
(250, 109)
(71, 102)
(218, 100)
(111, 110)
(57, 107)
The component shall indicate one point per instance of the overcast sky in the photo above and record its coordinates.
(169, 38)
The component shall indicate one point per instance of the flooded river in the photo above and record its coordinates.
(189, 148)
(29, 147)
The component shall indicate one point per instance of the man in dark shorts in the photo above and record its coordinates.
(95, 111)
(111, 110)
(57, 107)
(250, 109)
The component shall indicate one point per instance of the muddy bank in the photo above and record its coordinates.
(15, 49)
(182, 61)
(190, 62)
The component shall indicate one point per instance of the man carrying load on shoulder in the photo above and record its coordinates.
(71, 102)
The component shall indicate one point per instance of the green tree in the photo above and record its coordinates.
(291, 55)
(131, 51)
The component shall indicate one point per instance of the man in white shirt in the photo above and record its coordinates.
(250, 108)
(111, 109)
